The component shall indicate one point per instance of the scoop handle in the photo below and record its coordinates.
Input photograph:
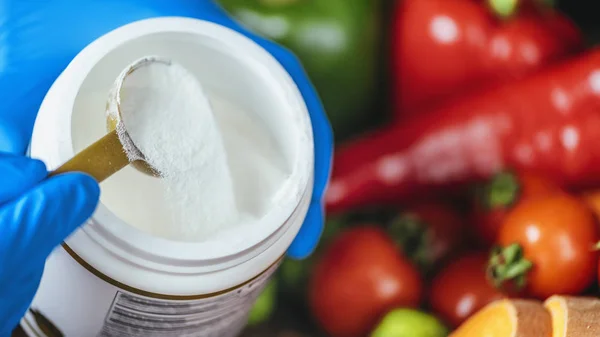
(100, 160)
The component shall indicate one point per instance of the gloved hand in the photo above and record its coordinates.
(39, 38)
(36, 215)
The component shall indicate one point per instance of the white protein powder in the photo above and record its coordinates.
(170, 120)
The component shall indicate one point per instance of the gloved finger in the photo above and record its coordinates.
(308, 236)
(42, 218)
(18, 174)
(14, 305)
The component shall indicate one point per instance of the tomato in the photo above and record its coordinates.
(499, 195)
(428, 233)
(592, 198)
(461, 289)
(547, 247)
(361, 276)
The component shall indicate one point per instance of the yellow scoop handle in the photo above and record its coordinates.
(100, 160)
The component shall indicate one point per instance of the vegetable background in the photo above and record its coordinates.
(350, 51)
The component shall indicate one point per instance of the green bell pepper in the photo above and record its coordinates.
(337, 41)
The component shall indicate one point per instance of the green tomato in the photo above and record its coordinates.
(409, 323)
(265, 305)
(337, 42)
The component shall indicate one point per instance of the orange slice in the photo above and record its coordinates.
(508, 318)
(574, 316)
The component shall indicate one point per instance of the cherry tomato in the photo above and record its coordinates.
(361, 276)
(592, 198)
(428, 233)
(548, 246)
(461, 289)
(499, 195)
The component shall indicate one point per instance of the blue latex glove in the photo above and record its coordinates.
(37, 41)
(36, 215)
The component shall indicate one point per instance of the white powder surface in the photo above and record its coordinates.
(171, 121)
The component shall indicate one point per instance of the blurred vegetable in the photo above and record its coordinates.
(508, 318)
(498, 195)
(444, 48)
(574, 316)
(333, 226)
(293, 274)
(547, 247)
(409, 323)
(509, 8)
(337, 42)
(461, 289)
(504, 8)
(546, 123)
(592, 199)
(428, 233)
(360, 276)
(265, 304)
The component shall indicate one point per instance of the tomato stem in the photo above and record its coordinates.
(504, 8)
(410, 233)
(508, 265)
(548, 3)
(501, 191)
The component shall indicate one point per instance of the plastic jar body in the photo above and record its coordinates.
(111, 277)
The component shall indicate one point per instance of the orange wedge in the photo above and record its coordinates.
(508, 318)
(574, 316)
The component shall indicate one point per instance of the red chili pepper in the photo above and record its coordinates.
(548, 122)
(445, 48)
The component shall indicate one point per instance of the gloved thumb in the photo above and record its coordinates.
(36, 222)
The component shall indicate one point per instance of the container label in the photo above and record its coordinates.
(224, 315)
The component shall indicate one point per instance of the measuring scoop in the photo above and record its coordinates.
(116, 149)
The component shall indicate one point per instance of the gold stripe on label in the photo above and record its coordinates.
(138, 291)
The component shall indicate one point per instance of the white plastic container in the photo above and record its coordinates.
(111, 279)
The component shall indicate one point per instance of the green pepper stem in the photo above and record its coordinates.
(501, 191)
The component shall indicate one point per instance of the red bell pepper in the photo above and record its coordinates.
(442, 49)
(548, 122)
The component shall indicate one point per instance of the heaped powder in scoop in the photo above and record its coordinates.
(169, 118)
